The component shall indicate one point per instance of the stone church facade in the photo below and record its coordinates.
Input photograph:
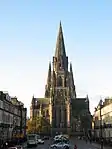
(60, 106)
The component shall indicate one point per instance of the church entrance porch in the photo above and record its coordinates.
(58, 131)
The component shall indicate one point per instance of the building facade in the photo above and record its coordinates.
(103, 118)
(12, 117)
(60, 102)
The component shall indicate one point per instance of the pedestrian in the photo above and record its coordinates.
(101, 142)
(6, 145)
(90, 140)
(75, 147)
(86, 140)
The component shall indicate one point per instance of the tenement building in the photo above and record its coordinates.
(12, 117)
(102, 118)
(64, 111)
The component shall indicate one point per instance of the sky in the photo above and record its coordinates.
(28, 32)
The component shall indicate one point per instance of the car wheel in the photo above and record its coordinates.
(66, 147)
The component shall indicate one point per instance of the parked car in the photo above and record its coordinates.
(40, 141)
(61, 137)
(46, 138)
(16, 147)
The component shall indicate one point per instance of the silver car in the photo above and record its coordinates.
(60, 144)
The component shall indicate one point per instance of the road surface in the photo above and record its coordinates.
(81, 144)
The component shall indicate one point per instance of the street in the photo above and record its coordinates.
(81, 144)
(42, 146)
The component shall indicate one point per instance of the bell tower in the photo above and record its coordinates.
(60, 87)
(61, 98)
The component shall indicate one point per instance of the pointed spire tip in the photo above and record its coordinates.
(60, 27)
(60, 46)
(70, 66)
(49, 64)
(60, 21)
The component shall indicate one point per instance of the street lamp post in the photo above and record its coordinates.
(101, 137)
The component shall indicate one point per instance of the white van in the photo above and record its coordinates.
(32, 140)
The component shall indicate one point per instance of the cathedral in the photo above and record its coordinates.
(64, 111)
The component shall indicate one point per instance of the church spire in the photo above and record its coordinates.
(71, 71)
(71, 67)
(72, 81)
(60, 60)
(48, 85)
(49, 75)
(60, 46)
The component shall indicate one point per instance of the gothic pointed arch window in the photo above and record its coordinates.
(59, 81)
(59, 65)
(65, 82)
(43, 113)
(47, 113)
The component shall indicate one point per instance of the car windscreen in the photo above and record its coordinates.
(61, 141)
(38, 137)
(32, 137)
(19, 147)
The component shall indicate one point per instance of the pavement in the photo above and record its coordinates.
(98, 146)
(81, 144)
